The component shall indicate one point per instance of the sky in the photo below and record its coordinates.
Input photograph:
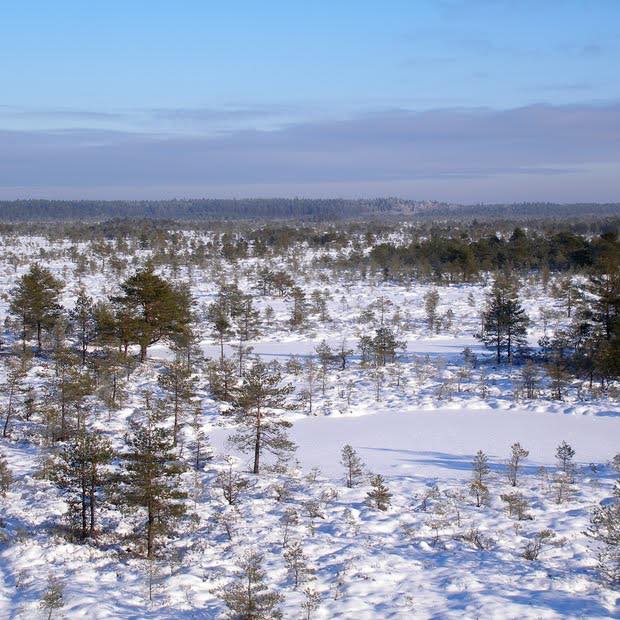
(453, 100)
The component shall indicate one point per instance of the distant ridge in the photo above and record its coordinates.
(285, 209)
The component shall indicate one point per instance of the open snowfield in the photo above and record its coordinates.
(432, 555)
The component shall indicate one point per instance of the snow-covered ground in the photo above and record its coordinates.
(433, 554)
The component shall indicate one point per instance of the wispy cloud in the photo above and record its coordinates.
(389, 148)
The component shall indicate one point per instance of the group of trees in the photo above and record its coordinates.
(147, 310)
(146, 476)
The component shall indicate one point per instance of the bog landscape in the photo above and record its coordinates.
(310, 311)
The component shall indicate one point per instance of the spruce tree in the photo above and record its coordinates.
(256, 406)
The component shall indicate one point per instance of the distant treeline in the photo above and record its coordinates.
(287, 209)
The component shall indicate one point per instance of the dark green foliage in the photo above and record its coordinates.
(248, 598)
(379, 495)
(380, 348)
(152, 309)
(6, 477)
(257, 404)
(35, 302)
(151, 480)
(504, 319)
(82, 476)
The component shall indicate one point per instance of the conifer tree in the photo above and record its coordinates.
(53, 596)
(220, 323)
(35, 302)
(6, 477)
(151, 479)
(504, 320)
(248, 597)
(82, 477)
(565, 455)
(15, 373)
(353, 465)
(431, 301)
(181, 387)
(379, 495)
(297, 564)
(152, 309)
(256, 406)
(517, 454)
(605, 529)
(478, 487)
(325, 357)
(83, 319)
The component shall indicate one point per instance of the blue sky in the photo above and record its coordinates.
(466, 101)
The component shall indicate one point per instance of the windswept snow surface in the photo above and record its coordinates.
(432, 555)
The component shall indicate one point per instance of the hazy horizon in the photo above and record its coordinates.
(455, 101)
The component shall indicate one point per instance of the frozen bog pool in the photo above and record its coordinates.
(441, 443)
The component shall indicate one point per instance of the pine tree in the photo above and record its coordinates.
(151, 479)
(67, 391)
(478, 487)
(246, 323)
(82, 477)
(564, 455)
(248, 597)
(518, 453)
(222, 379)
(326, 357)
(232, 485)
(15, 374)
(431, 301)
(83, 320)
(504, 320)
(221, 327)
(605, 529)
(297, 564)
(379, 496)
(6, 477)
(256, 406)
(152, 308)
(181, 387)
(300, 307)
(35, 302)
(353, 465)
(53, 596)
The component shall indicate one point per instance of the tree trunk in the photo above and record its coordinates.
(39, 335)
(149, 533)
(93, 481)
(143, 348)
(257, 450)
(84, 495)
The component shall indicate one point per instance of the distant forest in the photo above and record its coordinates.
(288, 209)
